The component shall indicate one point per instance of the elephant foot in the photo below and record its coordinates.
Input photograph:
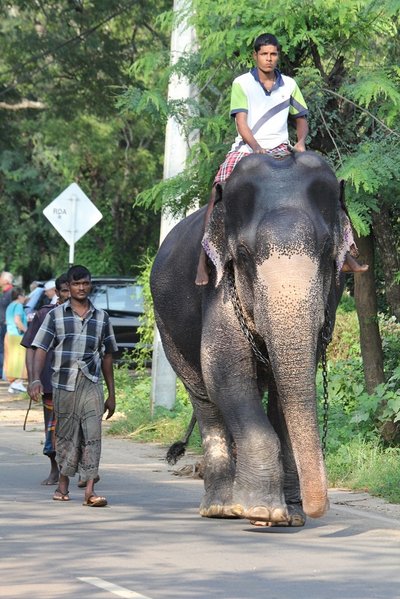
(296, 518)
(260, 513)
(217, 511)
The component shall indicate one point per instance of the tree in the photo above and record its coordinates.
(345, 58)
(61, 68)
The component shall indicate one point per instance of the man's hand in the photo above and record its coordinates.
(299, 147)
(259, 150)
(109, 405)
(35, 390)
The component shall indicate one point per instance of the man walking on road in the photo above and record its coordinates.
(62, 293)
(83, 341)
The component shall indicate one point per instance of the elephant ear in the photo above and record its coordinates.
(214, 242)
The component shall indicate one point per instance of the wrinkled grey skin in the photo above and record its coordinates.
(277, 224)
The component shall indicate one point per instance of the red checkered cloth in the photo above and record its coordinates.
(233, 158)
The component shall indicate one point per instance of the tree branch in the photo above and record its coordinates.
(330, 135)
(329, 91)
(23, 105)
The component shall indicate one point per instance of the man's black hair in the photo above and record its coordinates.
(75, 273)
(265, 39)
(61, 280)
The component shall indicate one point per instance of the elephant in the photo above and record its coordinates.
(256, 329)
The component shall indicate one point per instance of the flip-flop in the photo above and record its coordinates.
(95, 501)
(62, 496)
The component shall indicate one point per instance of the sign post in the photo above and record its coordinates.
(72, 214)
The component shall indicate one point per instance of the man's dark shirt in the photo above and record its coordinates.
(28, 338)
(5, 299)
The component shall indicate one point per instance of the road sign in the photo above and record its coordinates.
(72, 214)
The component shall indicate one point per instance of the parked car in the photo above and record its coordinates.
(122, 298)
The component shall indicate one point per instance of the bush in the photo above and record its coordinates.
(138, 421)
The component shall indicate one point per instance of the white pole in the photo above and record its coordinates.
(73, 230)
(163, 388)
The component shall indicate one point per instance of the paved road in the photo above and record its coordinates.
(151, 544)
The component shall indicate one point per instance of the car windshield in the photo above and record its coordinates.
(126, 297)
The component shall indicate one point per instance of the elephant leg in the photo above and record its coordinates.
(258, 485)
(219, 461)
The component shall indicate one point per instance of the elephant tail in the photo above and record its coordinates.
(177, 449)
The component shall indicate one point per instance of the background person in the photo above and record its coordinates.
(14, 354)
(50, 291)
(83, 342)
(6, 286)
(36, 290)
(62, 293)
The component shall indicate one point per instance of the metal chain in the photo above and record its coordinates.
(243, 325)
(325, 340)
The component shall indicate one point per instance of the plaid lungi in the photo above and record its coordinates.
(233, 158)
(78, 428)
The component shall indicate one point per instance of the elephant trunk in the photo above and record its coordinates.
(298, 399)
(292, 299)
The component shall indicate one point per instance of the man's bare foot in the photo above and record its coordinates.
(52, 479)
(54, 475)
(351, 265)
(202, 270)
(201, 276)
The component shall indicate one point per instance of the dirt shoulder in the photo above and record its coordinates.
(13, 408)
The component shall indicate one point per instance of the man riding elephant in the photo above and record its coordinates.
(261, 102)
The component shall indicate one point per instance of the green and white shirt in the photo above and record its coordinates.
(267, 111)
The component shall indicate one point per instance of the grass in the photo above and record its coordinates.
(135, 419)
(361, 465)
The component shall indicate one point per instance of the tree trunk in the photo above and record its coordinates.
(367, 312)
(387, 245)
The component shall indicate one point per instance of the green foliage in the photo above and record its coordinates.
(352, 409)
(74, 63)
(364, 169)
(353, 102)
(135, 419)
(366, 465)
(142, 353)
(380, 86)
(357, 454)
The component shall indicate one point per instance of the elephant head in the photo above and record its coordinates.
(276, 226)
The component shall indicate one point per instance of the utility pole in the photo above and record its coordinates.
(163, 387)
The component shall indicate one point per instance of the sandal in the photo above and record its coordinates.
(60, 496)
(95, 501)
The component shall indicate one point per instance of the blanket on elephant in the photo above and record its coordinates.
(232, 158)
